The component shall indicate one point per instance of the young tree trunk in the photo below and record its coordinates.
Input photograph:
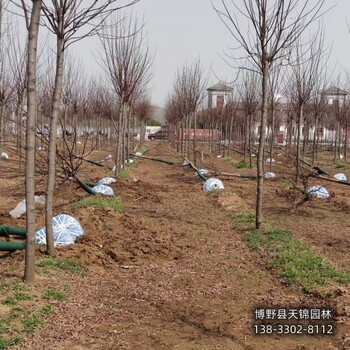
(50, 187)
(30, 141)
(260, 157)
(299, 129)
(250, 145)
(314, 141)
(142, 132)
(346, 142)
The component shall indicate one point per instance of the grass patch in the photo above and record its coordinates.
(5, 325)
(287, 183)
(227, 159)
(293, 260)
(31, 323)
(341, 166)
(4, 286)
(6, 343)
(242, 165)
(243, 221)
(134, 164)
(247, 218)
(46, 309)
(123, 174)
(214, 192)
(54, 294)
(99, 202)
(70, 265)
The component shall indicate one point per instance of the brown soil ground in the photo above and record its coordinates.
(171, 272)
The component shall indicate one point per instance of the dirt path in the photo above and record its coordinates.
(188, 280)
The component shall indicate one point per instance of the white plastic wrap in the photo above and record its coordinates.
(107, 181)
(202, 172)
(66, 229)
(318, 192)
(340, 177)
(269, 175)
(104, 190)
(213, 184)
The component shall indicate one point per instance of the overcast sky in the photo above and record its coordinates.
(181, 31)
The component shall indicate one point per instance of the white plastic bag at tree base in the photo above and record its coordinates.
(202, 172)
(21, 206)
(213, 184)
(341, 156)
(4, 155)
(318, 192)
(107, 181)
(340, 177)
(130, 161)
(66, 229)
(104, 190)
(268, 160)
(269, 175)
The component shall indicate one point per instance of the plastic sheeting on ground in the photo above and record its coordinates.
(104, 190)
(66, 229)
(269, 175)
(107, 181)
(21, 206)
(213, 184)
(340, 177)
(318, 192)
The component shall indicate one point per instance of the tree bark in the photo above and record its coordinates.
(52, 145)
(30, 141)
(260, 157)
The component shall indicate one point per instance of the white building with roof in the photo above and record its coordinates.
(218, 95)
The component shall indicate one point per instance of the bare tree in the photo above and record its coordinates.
(249, 95)
(271, 31)
(69, 21)
(306, 71)
(128, 64)
(189, 88)
(144, 112)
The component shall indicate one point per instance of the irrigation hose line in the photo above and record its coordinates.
(155, 159)
(6, 231)
(12, 246)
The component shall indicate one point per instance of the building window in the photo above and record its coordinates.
(220, 101)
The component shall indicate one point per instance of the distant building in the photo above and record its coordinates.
(335, 96)
(218, 95)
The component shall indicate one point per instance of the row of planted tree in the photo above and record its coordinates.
(53, 115)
